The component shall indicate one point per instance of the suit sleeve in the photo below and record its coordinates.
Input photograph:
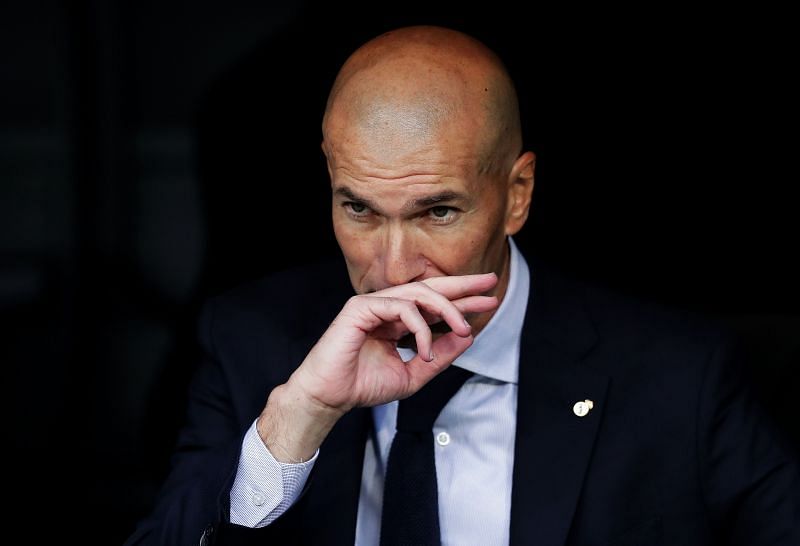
(204, 460)
(749, 472)
(193, 505)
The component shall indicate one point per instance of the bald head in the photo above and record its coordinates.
(415, 86)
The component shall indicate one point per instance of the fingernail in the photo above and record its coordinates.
(430, 355)
(467, 324)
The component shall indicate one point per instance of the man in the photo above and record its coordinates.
(589, 419)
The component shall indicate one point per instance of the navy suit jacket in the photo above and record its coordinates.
(676, 450)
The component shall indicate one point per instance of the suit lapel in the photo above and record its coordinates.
(553, 445)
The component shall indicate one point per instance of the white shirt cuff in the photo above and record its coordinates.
(264, 488)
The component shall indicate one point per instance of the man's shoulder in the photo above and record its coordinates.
(294, 296)
(643, 316)
(311, 280)
(632, 323)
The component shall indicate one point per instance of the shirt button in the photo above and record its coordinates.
(258, 499)
(443, 438)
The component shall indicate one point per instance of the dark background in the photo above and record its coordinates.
(153, 154)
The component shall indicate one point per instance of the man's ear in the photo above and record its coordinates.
(520, 191)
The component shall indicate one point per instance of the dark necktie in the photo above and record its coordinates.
(410, 514)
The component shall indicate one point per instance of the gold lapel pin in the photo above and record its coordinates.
(581, 409)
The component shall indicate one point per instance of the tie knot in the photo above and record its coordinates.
(418, 412)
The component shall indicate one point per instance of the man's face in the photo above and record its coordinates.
(406, 210)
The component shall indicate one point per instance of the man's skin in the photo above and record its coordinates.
(422, 138)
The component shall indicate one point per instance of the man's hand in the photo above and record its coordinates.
(355, 363)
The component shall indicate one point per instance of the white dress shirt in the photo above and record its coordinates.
(473, 442)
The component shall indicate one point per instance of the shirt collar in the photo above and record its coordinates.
(495, 352)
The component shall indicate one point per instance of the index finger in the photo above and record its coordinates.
(459, 286)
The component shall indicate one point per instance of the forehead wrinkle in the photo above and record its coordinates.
(361, 165)
(396, 182)
(437, 195)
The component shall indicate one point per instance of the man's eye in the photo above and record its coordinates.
(442, 214)
(357, 208)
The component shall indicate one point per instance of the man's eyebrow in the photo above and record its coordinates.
(422, 202)
(431, 200)
(348, 193)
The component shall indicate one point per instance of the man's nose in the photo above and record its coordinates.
(402, 262)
